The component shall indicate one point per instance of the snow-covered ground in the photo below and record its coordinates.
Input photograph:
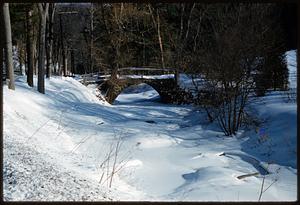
(56, 147)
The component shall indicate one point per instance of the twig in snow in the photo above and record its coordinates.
(270, 185)
(36, 131)
(261, 188)
(112, 163)
(247, 175)
(79, 143)
(115, 161)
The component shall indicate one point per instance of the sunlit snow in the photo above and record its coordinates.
(54, 145)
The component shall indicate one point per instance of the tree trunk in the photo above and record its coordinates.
(51, 40)
(41, 58)
(47, 45)
(65, 59)
(92, 38)
(177, 76)
(49, 52)
(21, 57)
(54, 55)
(24, 47)
(1, 66)
(156, 23)
(58, 59)
(63, 48)
(8, 46)
(34, 46)
(160, 41)
(29, 48)
(72, 62)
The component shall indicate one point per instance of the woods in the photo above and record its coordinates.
(233, 47)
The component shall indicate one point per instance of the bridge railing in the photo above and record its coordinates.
(144, 71)
(130, 72)
(147, 68)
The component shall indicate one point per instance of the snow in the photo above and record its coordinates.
(55, 146)
(141, 93)
(166, 76)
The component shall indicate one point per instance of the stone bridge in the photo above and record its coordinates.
(163, 82)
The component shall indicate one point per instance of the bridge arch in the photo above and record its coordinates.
(164, 87)
(145, 86)
(161, 80)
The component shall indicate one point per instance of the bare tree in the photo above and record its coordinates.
(64, 40)
(156, 21)
(230, 51)
(43, 12)
(8, 45)
(179, 40)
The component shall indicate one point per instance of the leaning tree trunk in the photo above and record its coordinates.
(8, 45)
(29, 48)
(43, 11)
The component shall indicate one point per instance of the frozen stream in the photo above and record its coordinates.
(179, 153)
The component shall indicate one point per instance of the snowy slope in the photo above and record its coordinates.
(55, 143)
